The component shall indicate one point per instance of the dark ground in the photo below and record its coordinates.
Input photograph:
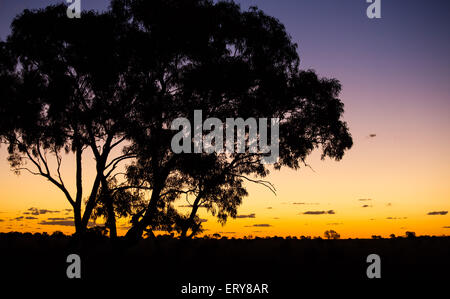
(173, 262)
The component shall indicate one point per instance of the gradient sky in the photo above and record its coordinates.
(395, 73)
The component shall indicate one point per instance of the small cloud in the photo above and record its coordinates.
(18, 218)
(388, 204)
(44, 211)
(58, 222)
(203, 220)
(438, 213)
(365, 199)
(372, 135)
(36, 211)
(262, 225)
(269, 208)
(31, 218)
(305, 203)
(276, 217)
(319, 212)
(335, 223)
(446, 227)
(366, 206)
(62, 222)
(1, 220)
(396, 218)
(253, 215)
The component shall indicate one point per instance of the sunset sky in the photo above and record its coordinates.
(395, 73)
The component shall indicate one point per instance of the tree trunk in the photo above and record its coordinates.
(79, 229)
(134, 234)
(111, 219)
(190, 221)
(111, 216)
(90, 203)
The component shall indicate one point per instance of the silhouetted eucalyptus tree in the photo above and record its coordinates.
(122, 77)
(65, 93)
(213, 57)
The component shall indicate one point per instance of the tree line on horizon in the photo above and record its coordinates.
(111, 83)
(99, 233)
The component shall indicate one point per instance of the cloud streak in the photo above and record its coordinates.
(61, 222)
(259, 225)
(36, 211)
(437, 213)
(331, 212)
(253, 215)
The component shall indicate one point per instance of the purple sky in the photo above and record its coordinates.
(409, 46)
(396, 68)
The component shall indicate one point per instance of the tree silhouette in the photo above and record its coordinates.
(331, 234)
(120, 78)
(64, 94)
(410, 235)
(225, 62)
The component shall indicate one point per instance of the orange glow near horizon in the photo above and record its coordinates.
(399, 191)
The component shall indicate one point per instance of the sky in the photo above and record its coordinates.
(395, 73)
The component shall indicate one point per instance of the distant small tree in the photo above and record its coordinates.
(392, 236)
(331, 234)
(410, 235)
